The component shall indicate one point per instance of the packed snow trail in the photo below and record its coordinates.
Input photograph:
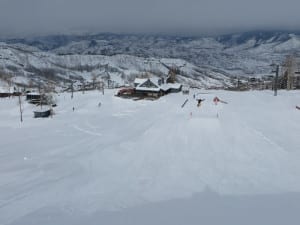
(126, 153)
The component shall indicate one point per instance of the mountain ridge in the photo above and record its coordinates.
(217, 58)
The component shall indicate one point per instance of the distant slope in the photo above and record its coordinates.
(210, 61)
(29, 65)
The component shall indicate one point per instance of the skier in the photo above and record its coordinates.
(216, 100)
(199, 102)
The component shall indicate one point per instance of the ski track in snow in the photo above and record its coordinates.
(268, 140)
(87, 131)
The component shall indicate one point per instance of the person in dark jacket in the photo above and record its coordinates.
(199, 101)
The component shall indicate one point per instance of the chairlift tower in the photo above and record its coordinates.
(72, 89)
(101, 86)
(290, 71)
(276, 78)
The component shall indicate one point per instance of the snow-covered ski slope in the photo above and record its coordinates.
(129, 153)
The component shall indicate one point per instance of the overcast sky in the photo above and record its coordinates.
(27, 17)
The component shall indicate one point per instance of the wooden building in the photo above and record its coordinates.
(149, 88)
(8, 91)
(155, 87)
(291, 72)
(33, 96)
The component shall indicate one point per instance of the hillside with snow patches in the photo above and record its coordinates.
(33, 66)
(203, 61)
(143, 162)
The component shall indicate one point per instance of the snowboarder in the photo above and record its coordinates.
(73, 109)
(99, 104)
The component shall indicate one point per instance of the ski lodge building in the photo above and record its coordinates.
(291, 73)
(154, 87)
(8, 91)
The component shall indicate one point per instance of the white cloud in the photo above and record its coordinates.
(40, 16)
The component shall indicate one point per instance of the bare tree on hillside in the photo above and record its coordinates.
(101, 86)
(94, 80)
(72, 88)
(82, 86)
(49, 93)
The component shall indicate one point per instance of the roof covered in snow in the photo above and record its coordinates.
(147, 89)
(153, 84)
(6, 89)
(140, 80)
(150, 84)
(33, 93)
(174, 86)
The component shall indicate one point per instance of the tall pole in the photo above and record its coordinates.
(83, 86)
(40, 93)
(21, 111)
(72, 89)
(276, 80)
(289, 64)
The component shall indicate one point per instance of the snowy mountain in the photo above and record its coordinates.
(204, 61)
(32, 65)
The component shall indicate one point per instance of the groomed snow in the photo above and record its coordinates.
(72, 167)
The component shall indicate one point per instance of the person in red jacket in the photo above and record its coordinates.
(216, 100)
